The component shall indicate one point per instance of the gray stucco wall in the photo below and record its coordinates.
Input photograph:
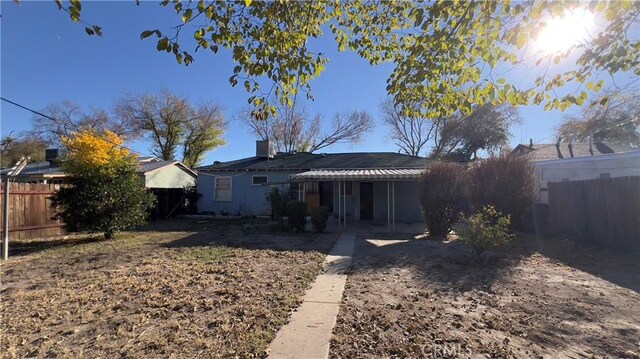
(169, 177)
(407, 201)
(246, 199)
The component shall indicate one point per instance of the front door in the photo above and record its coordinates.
(366, 200)
(325, 190)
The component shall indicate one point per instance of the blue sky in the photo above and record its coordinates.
(46, 58)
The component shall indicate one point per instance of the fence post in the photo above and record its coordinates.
(5, 220)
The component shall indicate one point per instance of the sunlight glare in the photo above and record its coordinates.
(560, 33)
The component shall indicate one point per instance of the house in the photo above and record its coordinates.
(578, 161)
(153, 172)
(378, 186)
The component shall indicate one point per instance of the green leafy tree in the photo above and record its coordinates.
(171, 123)
(446, 56)
(105, 194)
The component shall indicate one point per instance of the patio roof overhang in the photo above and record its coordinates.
(383, 174)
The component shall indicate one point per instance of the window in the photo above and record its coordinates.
(222, 189)
(346, 188)
(605, 175)
(258, 180)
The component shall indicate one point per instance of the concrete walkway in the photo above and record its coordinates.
(308, 333)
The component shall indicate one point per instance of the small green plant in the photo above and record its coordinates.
(319, 217)
(297, 215)
(487, 229)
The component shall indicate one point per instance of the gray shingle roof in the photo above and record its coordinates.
(542, 152)
(307, 161)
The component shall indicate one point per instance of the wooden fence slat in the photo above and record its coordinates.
(30, 211)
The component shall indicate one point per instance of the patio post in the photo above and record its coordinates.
(339, 219)
(393, 199)
(388, 208)
(344, 201)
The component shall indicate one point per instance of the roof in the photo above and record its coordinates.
(145, 167)
(42, 168)
(542, 152)
(371, 174)
(309, 161)
(47, 169)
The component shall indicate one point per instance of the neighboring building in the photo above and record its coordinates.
(153, 172)
(579, 161)
(370, 186)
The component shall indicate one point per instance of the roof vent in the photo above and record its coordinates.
(264, 149)
(54, 156)
(216, 162)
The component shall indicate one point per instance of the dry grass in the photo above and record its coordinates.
(539, 298)
(184, 290)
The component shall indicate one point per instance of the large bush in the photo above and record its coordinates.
(319, 217)
(297, 215)
(487, 229)
(442, 197)
(106, 194)
(278, 201)
(506, 183)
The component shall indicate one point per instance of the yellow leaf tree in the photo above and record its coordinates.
(105, 193)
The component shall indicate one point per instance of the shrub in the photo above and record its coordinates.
(278, 201)
(506, 183)
(487, 229)
(319, 217)
(106, 195)
(297, 215)
(442, 197)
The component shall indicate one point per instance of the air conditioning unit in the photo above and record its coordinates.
(264, 149)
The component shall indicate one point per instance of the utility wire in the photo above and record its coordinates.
(53, 119)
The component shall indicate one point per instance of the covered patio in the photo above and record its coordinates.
(352, 195)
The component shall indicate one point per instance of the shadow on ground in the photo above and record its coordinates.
(25, 247)
(454, 265)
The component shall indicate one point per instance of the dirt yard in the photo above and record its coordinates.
(537, 299)
(177, 289)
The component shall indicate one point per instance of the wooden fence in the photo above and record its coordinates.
(605, 211)
(30, 212)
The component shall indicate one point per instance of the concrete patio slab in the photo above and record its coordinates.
(308, 333)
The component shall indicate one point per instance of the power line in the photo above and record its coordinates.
(53, 119)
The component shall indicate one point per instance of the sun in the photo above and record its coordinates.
(560, 33)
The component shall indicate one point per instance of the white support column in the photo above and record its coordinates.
(344, 201)
(393, 199)
(388, 208)
(304, 192)
(339, 205)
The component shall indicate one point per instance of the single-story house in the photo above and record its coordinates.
(153, 172)
(378, 186)
(578, 161)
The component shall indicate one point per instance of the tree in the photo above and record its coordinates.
(170, 122)
(617, 121)
(410, 134)
(291, 129)
(447, 56)
(13, 148)
(105, 193)
(460, 137)
(61, 120)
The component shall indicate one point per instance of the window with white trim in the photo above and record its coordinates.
(259, 180)
(222, 189)
(346, 188)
